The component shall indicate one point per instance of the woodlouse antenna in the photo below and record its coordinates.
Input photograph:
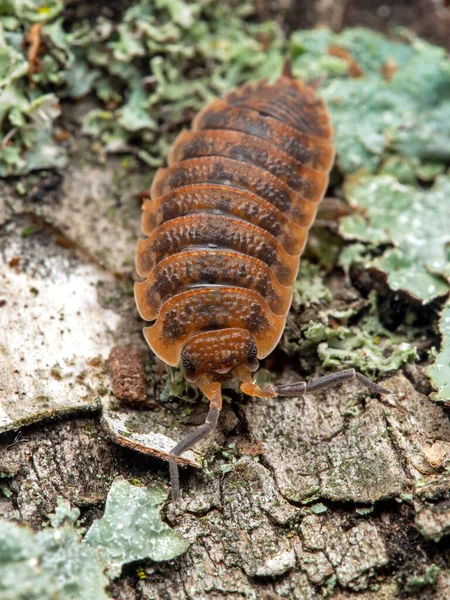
(188, 442)
(301, 387)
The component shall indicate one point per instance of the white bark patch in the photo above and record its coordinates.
(54, 333)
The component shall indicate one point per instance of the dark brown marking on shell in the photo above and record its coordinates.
(210, 267)
(225, 171)
(248, 148)
(227, 222)
(202, 198)
(216, 230)
(235, 173)
(317, 153)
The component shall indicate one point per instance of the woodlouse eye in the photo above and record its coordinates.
(252, 354)
(189, 369)
(252, 363)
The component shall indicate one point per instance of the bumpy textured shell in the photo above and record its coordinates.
(229, 218)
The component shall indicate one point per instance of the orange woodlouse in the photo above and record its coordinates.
(226, 225)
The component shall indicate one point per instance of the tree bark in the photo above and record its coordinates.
(337, 493)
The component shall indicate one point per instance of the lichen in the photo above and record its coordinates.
(131, 528)
(51, 563)
(415, 222)
(386, 96)
(418, 582)
(439, 370)
(144, 70)
(57, 563)
(342, 333)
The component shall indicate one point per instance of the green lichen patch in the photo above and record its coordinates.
(131, 528)
(367, 347)
(385, 97)
(342, 329)
(155, 67)
(207, 51)
(33, 11)
(27, 112)
(364, 349)
(415, 222)
(56, 563)
(50, 564)
(309, 287)
(159, 64)
(389, 100)
(63, 513)
(418, 582)
(439, 371)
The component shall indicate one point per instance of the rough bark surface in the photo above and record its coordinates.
(337, 493)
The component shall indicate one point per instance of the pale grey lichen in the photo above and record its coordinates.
(385, 96)
(415, 222)
(56, 563)
(439, 370)
(131, 528)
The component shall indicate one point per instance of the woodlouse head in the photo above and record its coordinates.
(218, 353)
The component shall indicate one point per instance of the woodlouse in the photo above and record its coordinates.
(227, 223)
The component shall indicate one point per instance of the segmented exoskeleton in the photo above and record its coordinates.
(226, 225)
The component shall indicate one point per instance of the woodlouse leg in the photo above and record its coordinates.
(301, 387)
(250, 387)
(213, 392)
